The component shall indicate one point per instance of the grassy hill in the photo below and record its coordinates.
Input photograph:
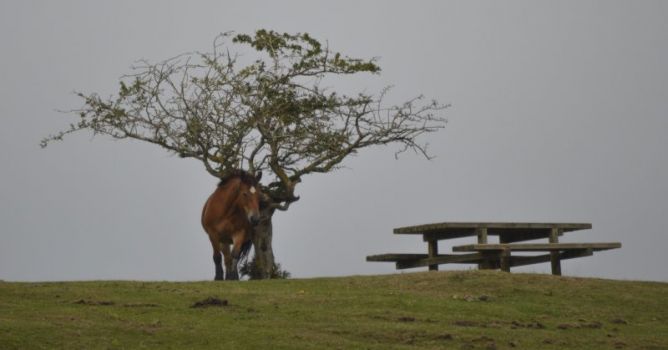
(435, 310)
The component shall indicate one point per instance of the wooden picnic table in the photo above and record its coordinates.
(495, 255)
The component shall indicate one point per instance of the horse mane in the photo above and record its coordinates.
(242, 175)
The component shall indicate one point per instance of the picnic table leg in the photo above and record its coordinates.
(554, 255)
(482, 239)
(433, 252)
(505, 260)
(482, 235)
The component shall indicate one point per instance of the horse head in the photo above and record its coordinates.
(249, 197)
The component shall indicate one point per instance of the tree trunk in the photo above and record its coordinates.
(264, 253)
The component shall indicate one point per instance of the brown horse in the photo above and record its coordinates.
(229, 216)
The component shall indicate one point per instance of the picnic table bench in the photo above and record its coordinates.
(495, 255)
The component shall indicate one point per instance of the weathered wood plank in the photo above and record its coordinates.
(536, 246)
(491, 259)
(512, 236)
(507, 235)
(519, 260)
(473, 258)
(443, 227)
(391, 257)
(430, 236)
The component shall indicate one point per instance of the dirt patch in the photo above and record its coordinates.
(93, 302)
(140, 305)
(210, 302)
(444, 336)
(483, 338)
(471, 298)
(592, 325)
(487, 342)
(111, 303)
(581, 324)
(484, 298)
(397, 318)
(529, 325)
(466, 323)
(619, 321)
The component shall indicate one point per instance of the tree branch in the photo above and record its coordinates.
(268, 114)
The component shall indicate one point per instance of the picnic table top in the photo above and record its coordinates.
(531, 247)
(493, 228)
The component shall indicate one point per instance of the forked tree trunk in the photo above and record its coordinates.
(264, 253)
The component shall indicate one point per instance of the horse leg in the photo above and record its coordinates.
(236, 252)
(227, 255)
(217, 259)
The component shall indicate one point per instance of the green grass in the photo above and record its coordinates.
(435, 310)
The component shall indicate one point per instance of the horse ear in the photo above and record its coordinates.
(258, 176)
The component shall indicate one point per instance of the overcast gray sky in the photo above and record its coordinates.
(559, 114)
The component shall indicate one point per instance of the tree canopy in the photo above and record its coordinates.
(269, 112)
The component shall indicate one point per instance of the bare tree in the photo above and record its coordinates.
(269, 112)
